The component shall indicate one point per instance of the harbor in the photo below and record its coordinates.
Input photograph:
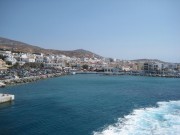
(72, 100)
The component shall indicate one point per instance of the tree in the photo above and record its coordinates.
(16, 66)
(67, 64)
(8, 63)
(85, 66)
(2, 57)
(33, 65)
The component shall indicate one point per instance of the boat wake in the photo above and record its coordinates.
(161, 120)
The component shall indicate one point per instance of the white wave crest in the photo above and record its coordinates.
(161, 120)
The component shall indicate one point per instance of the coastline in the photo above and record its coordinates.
(131, 74)
(16, 81)
(9, 82)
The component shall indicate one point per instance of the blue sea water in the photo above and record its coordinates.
(93, 105)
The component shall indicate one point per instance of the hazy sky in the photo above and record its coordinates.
(124, 29)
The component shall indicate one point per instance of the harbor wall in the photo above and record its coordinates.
(29, 79)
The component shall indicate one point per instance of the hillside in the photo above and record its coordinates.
(18, 46)
(148, 60)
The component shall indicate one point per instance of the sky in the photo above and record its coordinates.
(123, 29)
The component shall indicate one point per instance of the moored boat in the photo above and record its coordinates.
(2, 84)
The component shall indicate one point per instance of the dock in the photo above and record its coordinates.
(6, 97)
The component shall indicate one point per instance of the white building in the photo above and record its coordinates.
(126, 68)
(39, 59)
(31, 59)
(27, 58)
(11, 59)
(5, 53)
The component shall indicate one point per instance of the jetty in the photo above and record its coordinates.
(29, 79)
(6, 97)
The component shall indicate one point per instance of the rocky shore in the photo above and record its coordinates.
(30, 79)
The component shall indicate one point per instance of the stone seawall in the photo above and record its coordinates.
(30, 79)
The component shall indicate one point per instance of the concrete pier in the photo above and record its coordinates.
(6, 97)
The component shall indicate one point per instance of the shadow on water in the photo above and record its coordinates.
(6, 104)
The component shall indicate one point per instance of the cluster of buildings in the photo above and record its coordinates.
(51, 60)
(161, 68)
(68, 64)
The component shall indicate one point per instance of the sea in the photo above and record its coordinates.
(93, 105)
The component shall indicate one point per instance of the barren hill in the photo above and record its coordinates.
(18, 46)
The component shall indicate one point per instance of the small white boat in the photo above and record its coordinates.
(2, 84)
(73, 73)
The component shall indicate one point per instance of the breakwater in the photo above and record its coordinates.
(30, 79)
(132, 74)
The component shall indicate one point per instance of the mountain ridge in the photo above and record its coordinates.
(18, 46)
(153, 60)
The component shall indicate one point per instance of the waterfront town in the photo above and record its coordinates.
(34, 66)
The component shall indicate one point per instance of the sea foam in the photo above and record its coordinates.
(161, 120)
